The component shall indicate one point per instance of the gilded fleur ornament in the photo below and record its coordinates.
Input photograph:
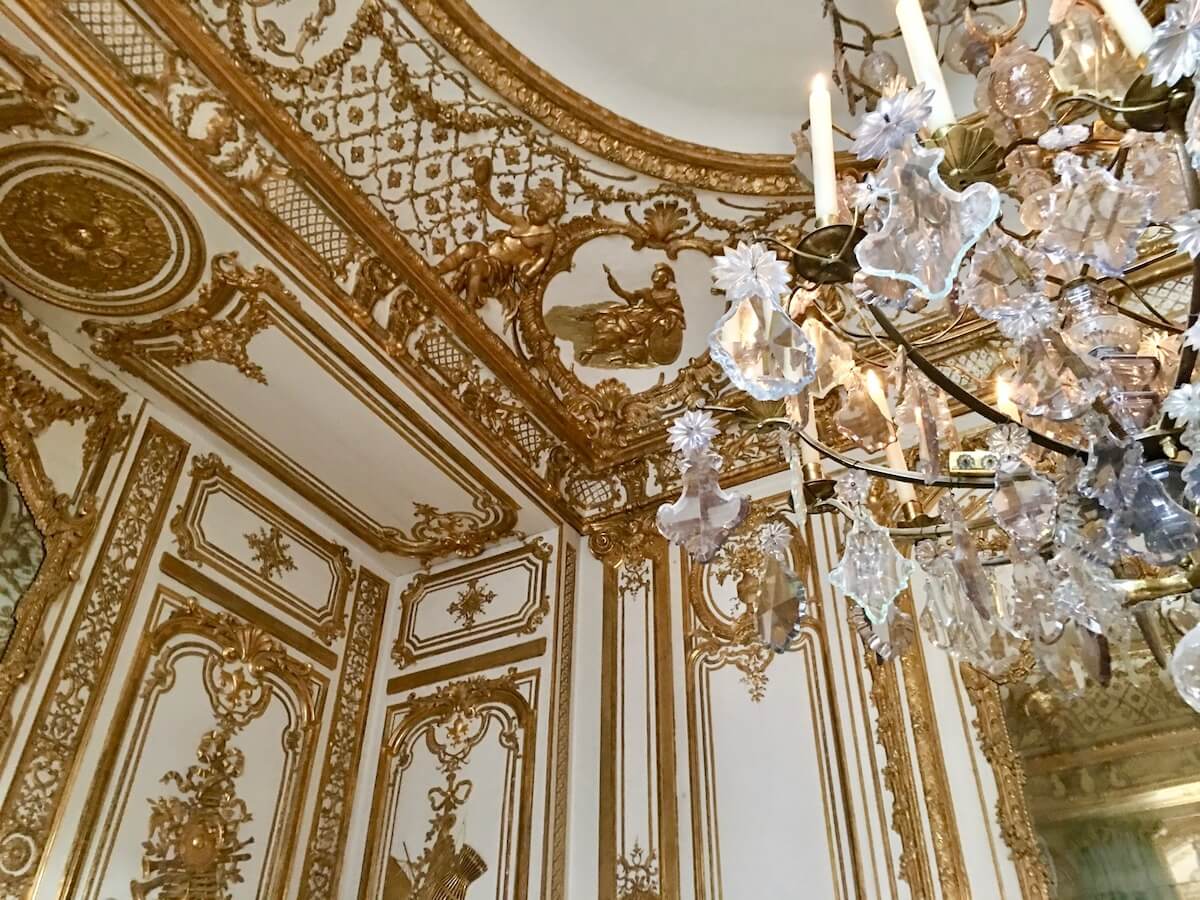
(928, 228)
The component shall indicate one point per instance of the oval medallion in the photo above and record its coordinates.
(87, 232)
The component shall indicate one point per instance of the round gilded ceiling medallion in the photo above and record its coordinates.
(84, 231)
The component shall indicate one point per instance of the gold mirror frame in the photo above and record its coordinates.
(65, 522)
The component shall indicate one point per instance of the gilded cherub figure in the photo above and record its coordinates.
(514, 257)
(643, 331)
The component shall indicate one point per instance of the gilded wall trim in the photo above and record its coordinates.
(1012, 812)
(533, 558)
(538, 94)
(66, 522)
(211, 476)
(444, 721)
(32, 806)
(343, 749)
(554, 866)
(33, 98)
(460, 668)
(635, 561)
(245, 670)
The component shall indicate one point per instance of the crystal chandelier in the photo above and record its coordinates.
(1075, 512)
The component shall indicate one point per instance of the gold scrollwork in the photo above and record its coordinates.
(470, 603)
(34, 98)
(270, 551)
(196, 333)
(65, 524)
(32, 805)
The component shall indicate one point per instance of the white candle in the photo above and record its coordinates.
(809, 454)
(923, 58)
(820, 136)
(1004, 401)
(893, 452)
(1129, 23)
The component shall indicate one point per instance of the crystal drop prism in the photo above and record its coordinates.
(1093, 60)
(1053, 382)
(928, 228)
(762, 350)
(1161, 531)
(1022, 502)
(871, 572)
(965, 559)
(834, 358)
(703, 517)
(860, 419)
(1002, 275)
(1185, 668)
(780, 604)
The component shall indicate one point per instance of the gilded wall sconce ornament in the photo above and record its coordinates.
(644, 330)
(504, 266)
(90, 233)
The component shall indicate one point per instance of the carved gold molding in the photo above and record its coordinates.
(34, 98)
(504, 69)
(1012, 811)
(554, 867)
(210, 476)
(533, 557)
(66, 523)
(343, 749)
(32, 807)
(244, 668)
(445, 720)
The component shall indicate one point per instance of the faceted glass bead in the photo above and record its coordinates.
(968, 53)
(1020, 83)
(780, 605)
(762, 350)
(703, 517)
(1185, 668)
(928, 228)
(877, 69)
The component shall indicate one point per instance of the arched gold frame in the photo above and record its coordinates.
(65, 522)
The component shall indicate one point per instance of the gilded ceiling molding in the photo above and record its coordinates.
(87, 232)
(343, 749)
(1012, 811)
(231, 311)
(64, 522)
(33, 98)
(538, 94)
(32, 808)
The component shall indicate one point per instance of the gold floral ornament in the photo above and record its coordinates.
(194, 851)
(643, 331)
(469, 605)
(33, 98)
(195, 333)
(270, 551)
(503, 267)
(90, 233)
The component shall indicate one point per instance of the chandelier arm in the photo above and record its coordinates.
(1191, 184)
(962, 395)
(912, 533)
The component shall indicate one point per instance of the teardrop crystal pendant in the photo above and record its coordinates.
(762, 350)
(872, 572)
(780, 604)
(702, 518)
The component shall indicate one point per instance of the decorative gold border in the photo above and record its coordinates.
(534, 557)
(66, 523)
(541, 96)
(460, 668)
(1012, 812)
(139, 350)
(185, 268)
(189, 618)
(343, 749)
(629, 541)
(557, 821)
(405, 719)
(32, 809)
(211, 475)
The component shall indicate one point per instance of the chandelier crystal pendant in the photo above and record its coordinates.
(1024, 222)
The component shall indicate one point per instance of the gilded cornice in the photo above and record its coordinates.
(590, 126)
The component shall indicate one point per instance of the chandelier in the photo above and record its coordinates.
(1073, 514)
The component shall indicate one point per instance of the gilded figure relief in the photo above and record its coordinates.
(643, 330)
(501, 267)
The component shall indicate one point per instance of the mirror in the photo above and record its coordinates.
(21, 553)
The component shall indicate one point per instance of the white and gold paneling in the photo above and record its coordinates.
(471, 606)
(228, 525)
(187, 301)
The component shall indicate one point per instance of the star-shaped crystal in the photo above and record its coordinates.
(1187, 233)
(692, 432)
(1175, 51)
(1183, 405)
(893, 121)
(750, 270)
(928, 228)
(1008, 441)
(761, 350)
(1094, 217)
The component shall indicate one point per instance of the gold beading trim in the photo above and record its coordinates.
(210, 475)
(343, 749)
(32, 807)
